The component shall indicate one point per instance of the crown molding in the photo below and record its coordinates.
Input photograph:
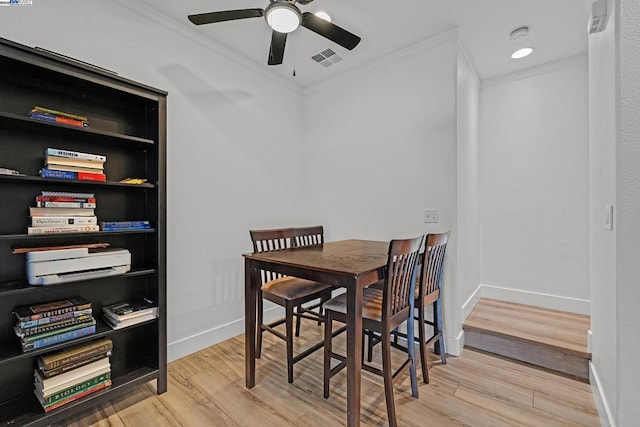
(462, 49)
(534, 71)
(399, 55)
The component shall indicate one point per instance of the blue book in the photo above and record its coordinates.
(60, 338)
(117, 225)
(54, 173)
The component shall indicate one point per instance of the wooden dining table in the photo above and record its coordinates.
(349, 264)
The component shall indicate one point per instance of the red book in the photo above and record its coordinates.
(65, 199)
(86, 176)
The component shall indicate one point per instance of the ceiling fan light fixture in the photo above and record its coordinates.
(282, 16)
(323, 15)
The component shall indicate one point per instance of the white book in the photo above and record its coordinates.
(65, 229)
(54, 166)
(46, 392)
(59, 221)
(131, 321)
(61, 212)
(74, 155)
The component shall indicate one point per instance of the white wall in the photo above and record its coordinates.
(230, 164)
(628, 206)
(534, 194)
(380, 147)
(468, 116)
(602, 170)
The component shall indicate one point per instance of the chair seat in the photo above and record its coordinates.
(371, 304)
(380, 285)
(293, 288)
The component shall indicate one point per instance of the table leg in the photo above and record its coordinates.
(354, 354)
(250, 291)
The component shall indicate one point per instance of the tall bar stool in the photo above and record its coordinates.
(288, 292)
(383, 310)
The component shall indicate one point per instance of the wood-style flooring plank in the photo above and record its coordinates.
(475, 389)
(550, 327)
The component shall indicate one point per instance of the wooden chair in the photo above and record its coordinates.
(383, 310)
(427, 293)
(288, 292)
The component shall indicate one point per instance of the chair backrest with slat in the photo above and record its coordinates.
(271, 240)
(432, 264)
(400, 279)
(308, 236)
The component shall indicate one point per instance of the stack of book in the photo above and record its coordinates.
(70, 374)
(53, 322)
(64, 164)
(55, 116)
(127, 313)
(63, 212)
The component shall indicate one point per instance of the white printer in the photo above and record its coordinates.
(70, 265)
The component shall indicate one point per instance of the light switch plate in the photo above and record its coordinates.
(431, 215)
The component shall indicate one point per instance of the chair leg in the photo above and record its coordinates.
(259, 320)
(289, 335)
(423, 346)
(439, 346)
(388, 378)
(327, 353)
(298, 320)
(370, 346)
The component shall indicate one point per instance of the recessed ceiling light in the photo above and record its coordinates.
(521, 53)
(323, 15)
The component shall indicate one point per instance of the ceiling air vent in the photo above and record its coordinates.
(327, 57)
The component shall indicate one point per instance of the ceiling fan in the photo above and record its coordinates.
(283, 16)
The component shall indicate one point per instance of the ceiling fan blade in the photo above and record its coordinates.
(225, 15)
(276, 52)
(331, 31)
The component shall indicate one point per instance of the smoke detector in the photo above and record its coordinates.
(519, 33)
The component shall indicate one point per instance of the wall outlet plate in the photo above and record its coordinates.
(431, 215)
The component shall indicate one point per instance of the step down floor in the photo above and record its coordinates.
(550, 339)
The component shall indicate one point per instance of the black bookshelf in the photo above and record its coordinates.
(128, 126)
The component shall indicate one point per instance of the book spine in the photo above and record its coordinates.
(60, 113)
(81, 163)
(76, 389)
(124, 224)
(86, 176)
(54, 312)
(66, 368)
(73, 205)
(58, 331)
(61, 221)
(51, 362)
(52, 173)
(75, 155)
(65, 199)
(86, 392)
(48, 212)
(60, 338)
(67, 194)
(62, 230)
(52, 319)
(146, 227)
(26, 332)
(58, 119)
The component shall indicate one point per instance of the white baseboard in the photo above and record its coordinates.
(454, 344)
(539, 299)
(196, 342)
(606, 416)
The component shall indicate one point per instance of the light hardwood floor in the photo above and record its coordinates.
(475, 389)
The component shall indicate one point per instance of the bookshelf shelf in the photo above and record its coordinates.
(27, 124)
(32, 237)
(27, 411)
(71, 182)
(22, 287)
(128, 127)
